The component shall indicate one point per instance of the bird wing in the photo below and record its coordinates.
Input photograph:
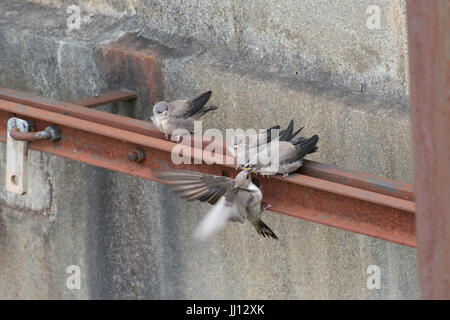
(178, 108)
(264, 155)
(188, 108)
(287, 151)
(195, 185)
(197, 103)
(288, 134)
(171, 124)
(305, 146)
(215, 220)
(285, 135)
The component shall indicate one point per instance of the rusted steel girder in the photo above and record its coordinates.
(359, 203)
(314, 169)
(105, 98)
(429, 59)
(81, 112)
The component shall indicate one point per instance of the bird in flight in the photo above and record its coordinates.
(236, 199)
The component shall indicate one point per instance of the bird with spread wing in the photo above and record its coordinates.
(236, 199)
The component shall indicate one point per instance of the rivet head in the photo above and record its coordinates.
(137, 155)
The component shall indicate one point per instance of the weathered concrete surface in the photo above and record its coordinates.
(321, 40)
(131, 237)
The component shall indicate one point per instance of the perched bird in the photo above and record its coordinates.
(180, 114)
(242, 146)
(289, 151)
(233, 199)
(290, 156)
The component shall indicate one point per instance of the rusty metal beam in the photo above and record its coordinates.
(105, 98)
(429, 58)
(81, 112)
(314, 169)
(363, 181)
(359, 203)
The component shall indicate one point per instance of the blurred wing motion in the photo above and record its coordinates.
(233, 199)
(214, 221)
(216, 190)
(195, 185)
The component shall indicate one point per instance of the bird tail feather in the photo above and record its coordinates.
(264, 230)
(205, 110)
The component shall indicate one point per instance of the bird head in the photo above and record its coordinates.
(249, 167)
(160, 109)
(243, 179)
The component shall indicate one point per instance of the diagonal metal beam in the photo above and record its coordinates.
(359, 203)
(80, 112)
(105, 98)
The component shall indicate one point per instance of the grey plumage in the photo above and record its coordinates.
(288, 134)
(289, 150)
(241, 143)
(180, 114)
(233, 199)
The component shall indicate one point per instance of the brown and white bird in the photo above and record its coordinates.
(241, 144)
(290, 156)
(178, 116)
(282, 156)
(244, 141)
(233, 199)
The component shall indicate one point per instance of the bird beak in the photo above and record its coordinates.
(164, 113)
(247, 168)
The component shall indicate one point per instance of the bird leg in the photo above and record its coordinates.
(167, 136)
(267, 206)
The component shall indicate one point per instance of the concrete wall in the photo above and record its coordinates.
(266, 62)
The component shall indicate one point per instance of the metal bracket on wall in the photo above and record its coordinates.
(19, 134)
(16, 156)
(321, 193)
